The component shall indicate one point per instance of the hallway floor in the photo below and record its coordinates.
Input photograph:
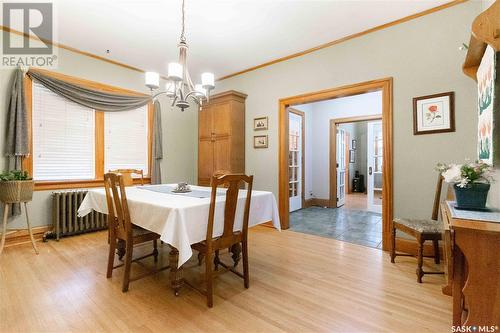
(345, 224)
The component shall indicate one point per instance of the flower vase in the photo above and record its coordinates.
(472, 196)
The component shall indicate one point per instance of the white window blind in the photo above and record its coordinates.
(63, 137)
(126, 140)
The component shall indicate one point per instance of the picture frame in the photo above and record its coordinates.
(434, 113)
(260, 141)
(353, 144)
(352, 156)
(261, 124)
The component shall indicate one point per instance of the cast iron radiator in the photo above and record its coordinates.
(65, 218)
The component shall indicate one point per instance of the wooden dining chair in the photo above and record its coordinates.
(121, 229)
(127, 175)
(229, 238)
(422, 230)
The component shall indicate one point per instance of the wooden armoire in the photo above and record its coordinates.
(221, 136)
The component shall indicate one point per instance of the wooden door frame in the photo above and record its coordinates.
(384, 85)
(333, 150)
(303, 155)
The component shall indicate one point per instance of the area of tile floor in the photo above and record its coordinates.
(350, 225)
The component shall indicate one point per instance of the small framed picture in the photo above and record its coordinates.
(353, 144)
(260, 141)
(434, 113)
(261, 123)
(352, 156)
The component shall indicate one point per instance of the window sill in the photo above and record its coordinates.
(73, 184)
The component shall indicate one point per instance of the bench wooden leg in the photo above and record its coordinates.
(393, 243)
(436, 251)
(420, 259)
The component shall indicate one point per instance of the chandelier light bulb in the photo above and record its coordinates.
(208, 81)
(175, 71)
(152, 80)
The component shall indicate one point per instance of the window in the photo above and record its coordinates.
(125, 140)
(63, 137)
(73, 146)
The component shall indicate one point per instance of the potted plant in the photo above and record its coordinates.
(471, 183)
(16, 186)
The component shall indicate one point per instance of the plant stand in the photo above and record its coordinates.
(16, 192)
(4, 228)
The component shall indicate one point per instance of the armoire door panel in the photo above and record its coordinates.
(221, 114)
(222, 154)
(205, 123)
(205, 159)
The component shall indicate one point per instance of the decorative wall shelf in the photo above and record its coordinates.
(485, 31)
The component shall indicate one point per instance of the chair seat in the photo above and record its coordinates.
(421, 225)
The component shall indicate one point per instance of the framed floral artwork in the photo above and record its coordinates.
(434, 113)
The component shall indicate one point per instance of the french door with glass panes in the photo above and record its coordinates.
(295, 161)
(341, 163)
(374, 158)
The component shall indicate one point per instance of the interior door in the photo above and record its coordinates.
(295, 161)
(374, 161)
(341, 170)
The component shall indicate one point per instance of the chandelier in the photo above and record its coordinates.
(179, 87)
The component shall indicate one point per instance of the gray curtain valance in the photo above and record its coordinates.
(90, 98)
(18, 133)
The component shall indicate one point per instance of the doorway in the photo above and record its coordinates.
(385, 87)
(357, 158)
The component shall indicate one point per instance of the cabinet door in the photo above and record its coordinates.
(222, 154)
(205, 161)
(221, 114)
(205, 123)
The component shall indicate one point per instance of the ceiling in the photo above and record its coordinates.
(224, 36)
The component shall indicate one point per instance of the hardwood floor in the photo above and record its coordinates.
(298, 283)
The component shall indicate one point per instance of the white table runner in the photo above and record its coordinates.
(181, 220)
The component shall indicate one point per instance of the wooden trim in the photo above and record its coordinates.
(303, 157)
(99, 133)
(72, 49)
(451, 96)
(28, 95)
(385, 85)
(344, 39)
(21, 236)
(317, 202)
(72, 184)
(151, 111)
(333, 150)
(99, 145)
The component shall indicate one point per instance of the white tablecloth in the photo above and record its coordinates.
(180, 220)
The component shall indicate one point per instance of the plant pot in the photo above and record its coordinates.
(15, 191)
(473, 196)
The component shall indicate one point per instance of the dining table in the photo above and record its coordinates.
(181, 219)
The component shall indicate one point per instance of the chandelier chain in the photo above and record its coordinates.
(183, 37)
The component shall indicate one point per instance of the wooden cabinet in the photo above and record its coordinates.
(473, 266)
(221, 136)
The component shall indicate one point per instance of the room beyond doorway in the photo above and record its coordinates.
(323, 196)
